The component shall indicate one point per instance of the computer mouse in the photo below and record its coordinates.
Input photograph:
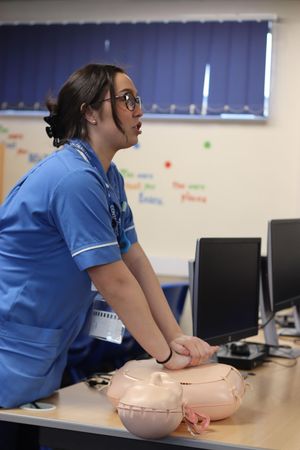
(240, 348)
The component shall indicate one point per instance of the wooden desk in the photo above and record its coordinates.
(267, 419)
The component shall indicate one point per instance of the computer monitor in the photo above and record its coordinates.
(281, 278)
(283, 258)
(226, 289)
(225, 279)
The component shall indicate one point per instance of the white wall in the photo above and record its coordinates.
(251, 172)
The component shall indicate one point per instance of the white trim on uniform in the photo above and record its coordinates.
(82, 155)
(132, 227)
(93, 247)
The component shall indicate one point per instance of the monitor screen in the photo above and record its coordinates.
(283, 260)
(226, 289)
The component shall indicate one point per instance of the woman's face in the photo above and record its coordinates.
(130, 120)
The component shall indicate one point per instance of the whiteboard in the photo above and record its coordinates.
(185, 180)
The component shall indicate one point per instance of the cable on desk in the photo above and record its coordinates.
(98, 381)
(263, 325)
(35, 405)
(262, 346)
(273, 361)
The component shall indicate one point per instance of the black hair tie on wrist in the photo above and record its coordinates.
(167, 359)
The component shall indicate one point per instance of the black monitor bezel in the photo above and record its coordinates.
(240, 333)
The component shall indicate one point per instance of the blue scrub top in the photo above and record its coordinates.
(62, 217)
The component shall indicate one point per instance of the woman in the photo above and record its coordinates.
(66, 224)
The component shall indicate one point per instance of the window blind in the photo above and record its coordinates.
(167, 61)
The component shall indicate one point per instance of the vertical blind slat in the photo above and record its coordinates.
(257, 63)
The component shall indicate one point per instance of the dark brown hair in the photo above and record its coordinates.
(87, 85)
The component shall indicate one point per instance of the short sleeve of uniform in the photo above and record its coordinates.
(80, 211)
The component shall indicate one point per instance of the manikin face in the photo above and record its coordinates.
(130, 120)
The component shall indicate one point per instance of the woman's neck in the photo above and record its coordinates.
(105, 155)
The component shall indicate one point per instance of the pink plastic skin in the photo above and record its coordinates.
(152, 408)
(215, 390)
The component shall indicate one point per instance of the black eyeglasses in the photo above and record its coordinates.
(129, 99)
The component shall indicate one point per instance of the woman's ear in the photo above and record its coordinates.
(88, 113)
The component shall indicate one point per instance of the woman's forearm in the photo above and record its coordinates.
(142, 270)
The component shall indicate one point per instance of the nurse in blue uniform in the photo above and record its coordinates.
(67, 223)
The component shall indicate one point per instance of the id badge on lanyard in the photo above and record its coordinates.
(105, 323)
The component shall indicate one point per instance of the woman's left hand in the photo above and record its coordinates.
(199, 350)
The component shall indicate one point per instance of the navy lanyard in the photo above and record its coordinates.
(114, 209)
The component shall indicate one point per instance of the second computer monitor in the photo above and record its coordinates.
(226, 289)
(284, 263)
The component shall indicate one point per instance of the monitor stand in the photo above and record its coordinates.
(272, 343)
(270, 331)
(292, 331)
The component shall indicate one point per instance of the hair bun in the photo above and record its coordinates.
(53, 130)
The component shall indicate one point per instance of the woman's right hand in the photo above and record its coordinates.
(177, 361)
